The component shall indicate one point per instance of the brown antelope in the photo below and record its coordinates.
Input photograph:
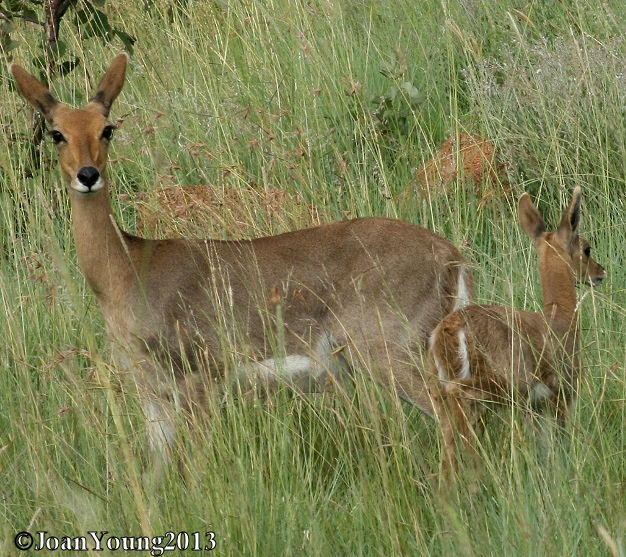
(486, 353)
(304, 306)
(475, 155)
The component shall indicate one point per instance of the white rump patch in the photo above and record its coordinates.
(441, 371)
(464, 372)
(462, 298)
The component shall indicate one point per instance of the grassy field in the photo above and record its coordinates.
(297, 113)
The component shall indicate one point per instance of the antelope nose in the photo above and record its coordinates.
(88, 176)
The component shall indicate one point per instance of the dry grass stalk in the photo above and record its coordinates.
(207, 210)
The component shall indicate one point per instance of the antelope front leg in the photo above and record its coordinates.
(155, 396)
(551, 424)
(158, 397)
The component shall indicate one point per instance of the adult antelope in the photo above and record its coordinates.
(305, 306)
(486, 353)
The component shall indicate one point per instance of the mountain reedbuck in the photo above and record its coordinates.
(304, 307)
(486, 353)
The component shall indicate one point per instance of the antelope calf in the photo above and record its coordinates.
(486, 353)
(476, 155)
(305, 306)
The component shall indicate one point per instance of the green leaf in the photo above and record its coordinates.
(99, 3)
(67, 66)
(40, 61)
(12, 6)
(29, 12)
(61, 49)
(393, 93)
(412, 93)
(11, 45)
(6, 27)
(100, 23)
(127, 40)
(387, 69)
(82, 17)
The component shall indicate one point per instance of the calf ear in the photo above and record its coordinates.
(529, 217)
(35, 92)
(569, 223)
(110, 86)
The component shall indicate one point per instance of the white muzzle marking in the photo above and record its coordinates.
(78, 186)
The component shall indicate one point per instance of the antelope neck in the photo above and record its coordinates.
(101, 254)
(557, 284)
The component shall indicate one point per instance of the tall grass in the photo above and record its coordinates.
(258, 97)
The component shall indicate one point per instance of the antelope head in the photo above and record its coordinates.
(565, 242)
(81, 135)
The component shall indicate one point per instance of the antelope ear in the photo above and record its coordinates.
(110, 86)
(35, 92)
(529, 217)
(569, 222)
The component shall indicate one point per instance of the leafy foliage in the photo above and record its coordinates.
(395, 109)
(54, 52)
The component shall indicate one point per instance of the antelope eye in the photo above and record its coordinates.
(56, 136)
(107, 132)
(587, 251)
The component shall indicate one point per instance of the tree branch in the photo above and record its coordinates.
(55, 10)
